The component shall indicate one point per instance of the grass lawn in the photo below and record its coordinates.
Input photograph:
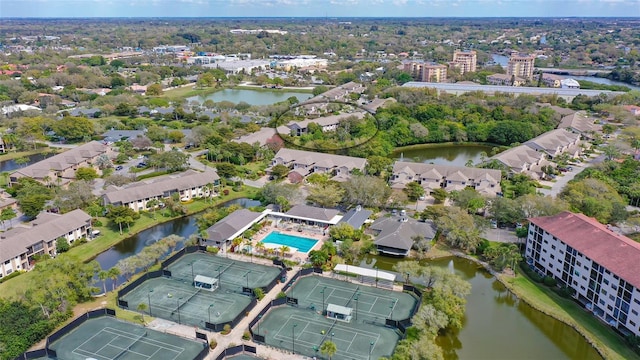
(187, 91)
(610, 344)
(110, 236)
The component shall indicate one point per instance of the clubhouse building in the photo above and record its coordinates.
(599, 265)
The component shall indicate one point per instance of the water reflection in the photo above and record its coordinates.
(446, 154)
(497, 325)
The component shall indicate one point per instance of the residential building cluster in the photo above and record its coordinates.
(61, 169)
(534, 156)
(188, 185)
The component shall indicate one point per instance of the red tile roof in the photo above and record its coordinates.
(616, 252)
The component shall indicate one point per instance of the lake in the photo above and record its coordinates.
(252, 97)
(10, 165)
(605, 81)
(445, 154)
(497, 325)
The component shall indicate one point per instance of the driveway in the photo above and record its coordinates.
(501, 235)
(561, 181)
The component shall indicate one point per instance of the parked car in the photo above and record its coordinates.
(119, 167)
(141, 165)
(494, 224)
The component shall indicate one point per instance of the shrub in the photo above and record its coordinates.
(259, 293)
(12, 275)
(549, 281)
(564, 291)
(246, 335)
(226, 329)
(213, 249)
(212, 344)
(96, 223)
(225, 192)
(281, 295)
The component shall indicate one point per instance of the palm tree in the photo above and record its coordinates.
(236, 242)
(151, 204)
(284, 249)
(103, 276)
(142, 307)
(47, 180)
(114, 272)
(260, 247)
(329, 348)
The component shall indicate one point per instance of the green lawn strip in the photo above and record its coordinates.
(187, 91)
(109, 236)
(605, 340)
(18, 154)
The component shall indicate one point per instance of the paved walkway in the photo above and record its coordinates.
(234, 338)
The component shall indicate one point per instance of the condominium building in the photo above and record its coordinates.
(466, 61)
(434, 73)
(600, 265)
(20, 244)
(426, 72)
(521, 65)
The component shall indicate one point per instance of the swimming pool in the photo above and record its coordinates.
(303, 244)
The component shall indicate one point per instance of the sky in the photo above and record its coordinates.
(319, 8)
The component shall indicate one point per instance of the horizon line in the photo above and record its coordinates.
(319, 17)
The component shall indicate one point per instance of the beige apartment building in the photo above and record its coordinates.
(521, 65)
(466, 61)
(426, 72)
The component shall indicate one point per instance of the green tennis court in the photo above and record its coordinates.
(362, 336)
(303, 331)
(369, 304)
(107, 338)
(180, 302)
(232, 274)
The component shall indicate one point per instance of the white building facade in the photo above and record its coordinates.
(600, 265)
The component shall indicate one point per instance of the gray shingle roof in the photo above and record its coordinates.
(65, 160)
(398, 234)
(47, 227)
(230, 225)
(313, 212)
(356, 217)
(157, 187)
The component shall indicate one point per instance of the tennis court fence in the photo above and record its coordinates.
(137, 282)
(64, 331)
(236, 350)
(178, 255)
(233, 323)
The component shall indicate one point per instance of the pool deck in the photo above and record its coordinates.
(314, 233)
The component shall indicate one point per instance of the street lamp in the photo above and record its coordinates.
(293, 338)
(149, 298)
(247, 276)
(356, 299)
(322, 292)
(210, 306)
(407, 274)
(370, 349)
(393, 304)
(375, 267)
(332, 336)
(178, 302)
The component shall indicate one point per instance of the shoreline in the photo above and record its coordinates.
(502, 278)
(450, 143)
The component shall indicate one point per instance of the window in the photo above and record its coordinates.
(605, 281)
(634, 312)
(578, 263)
(611, 297)
(632, 323)
(552, 256)
(553, 247)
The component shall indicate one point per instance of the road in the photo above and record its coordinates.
(561, 181)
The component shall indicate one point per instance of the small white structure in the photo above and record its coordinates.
(205, 283)
(339, 312)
